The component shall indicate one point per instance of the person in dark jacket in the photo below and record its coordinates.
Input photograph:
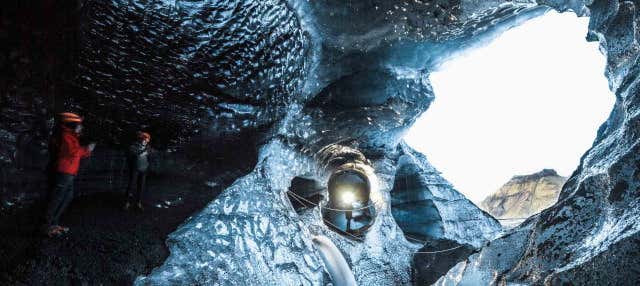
(138, 161)
(53, 147)
(67, 153)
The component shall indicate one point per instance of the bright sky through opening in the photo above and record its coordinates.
(531, 99)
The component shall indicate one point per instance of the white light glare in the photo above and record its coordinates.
(347, 197)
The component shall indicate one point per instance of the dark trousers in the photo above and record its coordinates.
(136, 179)
(59, 198)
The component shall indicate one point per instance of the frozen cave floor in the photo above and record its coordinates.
(106, 245)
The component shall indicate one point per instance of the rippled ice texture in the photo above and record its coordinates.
(250, 235)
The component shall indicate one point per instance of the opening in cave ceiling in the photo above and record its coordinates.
(532, 99)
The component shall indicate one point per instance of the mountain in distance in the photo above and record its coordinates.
(525, 195)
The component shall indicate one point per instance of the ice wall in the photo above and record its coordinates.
(195, 68)
(367, 81)
(426, 206)
(250, 235)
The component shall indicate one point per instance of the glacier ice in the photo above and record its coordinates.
(306, 74)
(252, 233)
(249, 235)
(360, 92)
(426, 206)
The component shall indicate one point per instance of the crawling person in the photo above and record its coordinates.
(65, 161)
(138, 161)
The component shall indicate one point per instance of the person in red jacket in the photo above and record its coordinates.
(66, 161)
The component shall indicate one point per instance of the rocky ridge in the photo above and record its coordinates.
(525, 195)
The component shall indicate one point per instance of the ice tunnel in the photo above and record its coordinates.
(281, 99)
(348, 208)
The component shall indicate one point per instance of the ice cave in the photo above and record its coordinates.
(275, 147)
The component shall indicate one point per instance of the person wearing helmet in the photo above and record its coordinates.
(66, 155)
(138, 161)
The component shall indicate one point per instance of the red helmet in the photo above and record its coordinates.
(144, 135)
(68, 117)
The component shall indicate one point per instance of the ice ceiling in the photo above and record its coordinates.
(508, 108)
(303, 75)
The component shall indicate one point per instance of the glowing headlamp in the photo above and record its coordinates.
(347, 197)
(349, 208)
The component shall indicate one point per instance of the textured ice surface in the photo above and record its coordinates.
(383, 256)
(367, 82)
(363, 80)
(250, 235)
(200, 67)
(369, 62)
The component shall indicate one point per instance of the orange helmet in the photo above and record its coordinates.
(67, 117)
(144, 135)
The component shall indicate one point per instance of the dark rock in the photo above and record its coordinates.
(435, 259)
(105, 245)
(309, 189)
